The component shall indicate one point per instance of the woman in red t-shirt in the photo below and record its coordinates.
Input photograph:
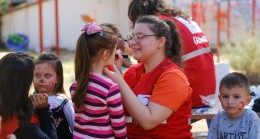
(196, 54)
(156, 93)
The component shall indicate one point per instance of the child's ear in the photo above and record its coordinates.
(248, 99)
(105, 54)
(219, 97)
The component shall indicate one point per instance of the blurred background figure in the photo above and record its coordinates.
(120, 45)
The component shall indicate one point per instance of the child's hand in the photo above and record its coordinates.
(40, 100)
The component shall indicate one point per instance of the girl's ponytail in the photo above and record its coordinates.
(174, 51)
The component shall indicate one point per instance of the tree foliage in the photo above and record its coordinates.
(3, 8)
(245, 55)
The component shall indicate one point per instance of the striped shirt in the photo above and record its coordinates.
(102, 115)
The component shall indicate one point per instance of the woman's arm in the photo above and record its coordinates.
(147, 117)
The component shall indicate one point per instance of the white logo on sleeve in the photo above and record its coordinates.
(144, 99)
(191, 25)
(200, 40)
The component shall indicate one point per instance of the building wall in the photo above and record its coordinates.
(26, 20)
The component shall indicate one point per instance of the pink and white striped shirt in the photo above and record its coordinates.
(102, 115)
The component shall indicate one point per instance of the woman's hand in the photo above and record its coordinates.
(40, 100)
(115, 75)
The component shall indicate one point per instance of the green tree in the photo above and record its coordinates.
(3, 8)
(245, 56)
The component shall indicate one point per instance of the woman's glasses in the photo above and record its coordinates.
(136, 37)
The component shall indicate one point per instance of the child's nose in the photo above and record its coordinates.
(41, 79)
(230, 100)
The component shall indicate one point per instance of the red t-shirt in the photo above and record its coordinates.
(9, 127)
(198, 59)
(170, 89)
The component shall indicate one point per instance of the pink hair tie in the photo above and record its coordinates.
(92, 28)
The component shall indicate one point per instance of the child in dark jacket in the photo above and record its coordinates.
(19, 117)
(48, 78)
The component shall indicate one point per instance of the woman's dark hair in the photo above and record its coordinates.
(16, 75)
(55, 62)
(139, 8)
(165, 28)
(235, 79)
(88, 49)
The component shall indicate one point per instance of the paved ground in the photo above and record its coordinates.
(200, 129)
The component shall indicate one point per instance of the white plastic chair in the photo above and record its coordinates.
(221, 69)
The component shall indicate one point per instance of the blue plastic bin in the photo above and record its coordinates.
(20, 46)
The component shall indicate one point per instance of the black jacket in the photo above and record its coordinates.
(256, 106)
(46, 130)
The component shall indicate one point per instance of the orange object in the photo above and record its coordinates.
(87, 18)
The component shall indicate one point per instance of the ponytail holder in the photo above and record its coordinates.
(92, 28)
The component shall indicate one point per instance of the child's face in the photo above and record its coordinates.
(45, 78)
(111, 58)
(233, 100)
(120, 42)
